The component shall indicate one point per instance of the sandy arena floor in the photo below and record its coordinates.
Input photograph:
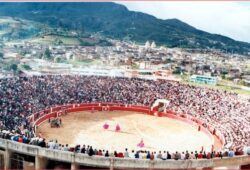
(158, 133)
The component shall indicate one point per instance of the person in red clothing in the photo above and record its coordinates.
(20, 139)
(105, 126)
(214, 131)
(152, 156)
(117, 128)
(200, 155)
(100, 153)
(120, 155)
(208, 155)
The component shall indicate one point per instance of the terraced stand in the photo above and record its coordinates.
(42, 156)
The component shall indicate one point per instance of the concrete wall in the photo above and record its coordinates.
(42, 155)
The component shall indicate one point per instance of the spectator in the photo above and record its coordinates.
(83, 149)
(107, 154)
(132, 154)
(148, 155)
(152, 156)
(164, 155)
(182, 156)
(66, 147)
(204, 156)
(200, 155)
(208, 156)
(159, 155)
(187, 155)
(91, 151)
(126, 153)
(196, 155)
(120, 155)
(192, 156)
(169, 155)
(220, 155)
(137, 156)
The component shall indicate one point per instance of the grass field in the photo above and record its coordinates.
(224, 85)
(51, 39)
(221, 87)
(86, 62)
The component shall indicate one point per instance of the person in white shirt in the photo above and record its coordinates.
(159, 155)
(182, 156)
(126, 153)
(192, 156)
(66, 148)
(141, 153)
(132, 154)
(59, 147)
(56, 146)
(164, 155)
(155, 155)
(51, 144)
(62, 148)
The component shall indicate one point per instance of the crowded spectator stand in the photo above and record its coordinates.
(28, 101)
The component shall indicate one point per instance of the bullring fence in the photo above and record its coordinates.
(37, 118)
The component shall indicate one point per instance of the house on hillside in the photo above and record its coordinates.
(234, 73)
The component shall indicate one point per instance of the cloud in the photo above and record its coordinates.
(227, 18)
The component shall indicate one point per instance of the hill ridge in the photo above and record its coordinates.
(116, 21)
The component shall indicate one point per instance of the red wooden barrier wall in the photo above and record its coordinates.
(48, 113)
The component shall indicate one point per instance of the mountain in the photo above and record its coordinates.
(18, 29)
(116, 21)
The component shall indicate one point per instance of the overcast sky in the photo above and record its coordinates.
(227, 18)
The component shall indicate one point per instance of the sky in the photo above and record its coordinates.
(229, 18)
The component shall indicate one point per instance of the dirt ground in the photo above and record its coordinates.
(158, 133)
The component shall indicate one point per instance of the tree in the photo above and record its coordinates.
(58, 41)
(47, 54)
(26, 67)
(58, 60)
(13, 67)
(223, 76)
(177, 71)
(242, 82)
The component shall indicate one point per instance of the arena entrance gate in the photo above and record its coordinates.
(160, 105)
(105, 108)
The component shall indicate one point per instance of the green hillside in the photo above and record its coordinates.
(116, 21)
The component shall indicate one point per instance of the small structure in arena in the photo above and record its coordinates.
(55, 122)
(117, 128)
(141, 144)
(160, 105)
(105, 126)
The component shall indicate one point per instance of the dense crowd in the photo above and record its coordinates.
(139, 154)
(22, 96)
